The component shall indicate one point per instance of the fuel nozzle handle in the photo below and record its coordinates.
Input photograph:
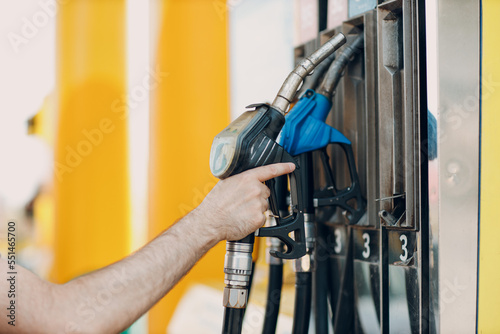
(295, 78)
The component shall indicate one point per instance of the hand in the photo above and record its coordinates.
(235, 207)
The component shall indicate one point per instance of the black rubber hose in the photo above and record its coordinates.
(320, 286)
(273, 298)
(233, 320)
(302, 310)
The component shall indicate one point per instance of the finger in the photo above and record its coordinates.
(265, 190)
(265, 173)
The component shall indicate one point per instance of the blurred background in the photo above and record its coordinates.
(109, 111)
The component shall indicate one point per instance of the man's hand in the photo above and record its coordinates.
(235, 207)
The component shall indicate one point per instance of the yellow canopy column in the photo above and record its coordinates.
(91, 173)
(189, 107)
(489, 228)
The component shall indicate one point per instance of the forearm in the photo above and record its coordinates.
(132, 286)
(111, 299)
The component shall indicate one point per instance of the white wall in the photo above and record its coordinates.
(261, 50)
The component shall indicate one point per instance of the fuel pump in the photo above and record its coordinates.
(305, 131)
(249, 142)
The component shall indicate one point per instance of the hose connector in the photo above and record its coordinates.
(295, 78)
(237, 272)
(235, 297)
(238, 263)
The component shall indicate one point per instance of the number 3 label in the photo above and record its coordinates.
(404, 241)
(338, 242)
(366, 245)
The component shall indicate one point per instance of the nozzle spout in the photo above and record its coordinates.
(294, 79)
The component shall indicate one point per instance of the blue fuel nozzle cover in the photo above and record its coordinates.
(305, 129)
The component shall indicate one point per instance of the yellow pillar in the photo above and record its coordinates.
(91, 173)
(189, 107)
(489, 252)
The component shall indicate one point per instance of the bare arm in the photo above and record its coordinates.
(110, 299)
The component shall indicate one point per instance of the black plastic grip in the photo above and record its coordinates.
(328, 198)
(296, 247)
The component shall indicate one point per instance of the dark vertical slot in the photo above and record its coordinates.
(384, 281)
(371, 117)
(323, 14)
(425, 316)
(359, 85)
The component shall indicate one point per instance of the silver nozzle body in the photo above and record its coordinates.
(295, 78)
